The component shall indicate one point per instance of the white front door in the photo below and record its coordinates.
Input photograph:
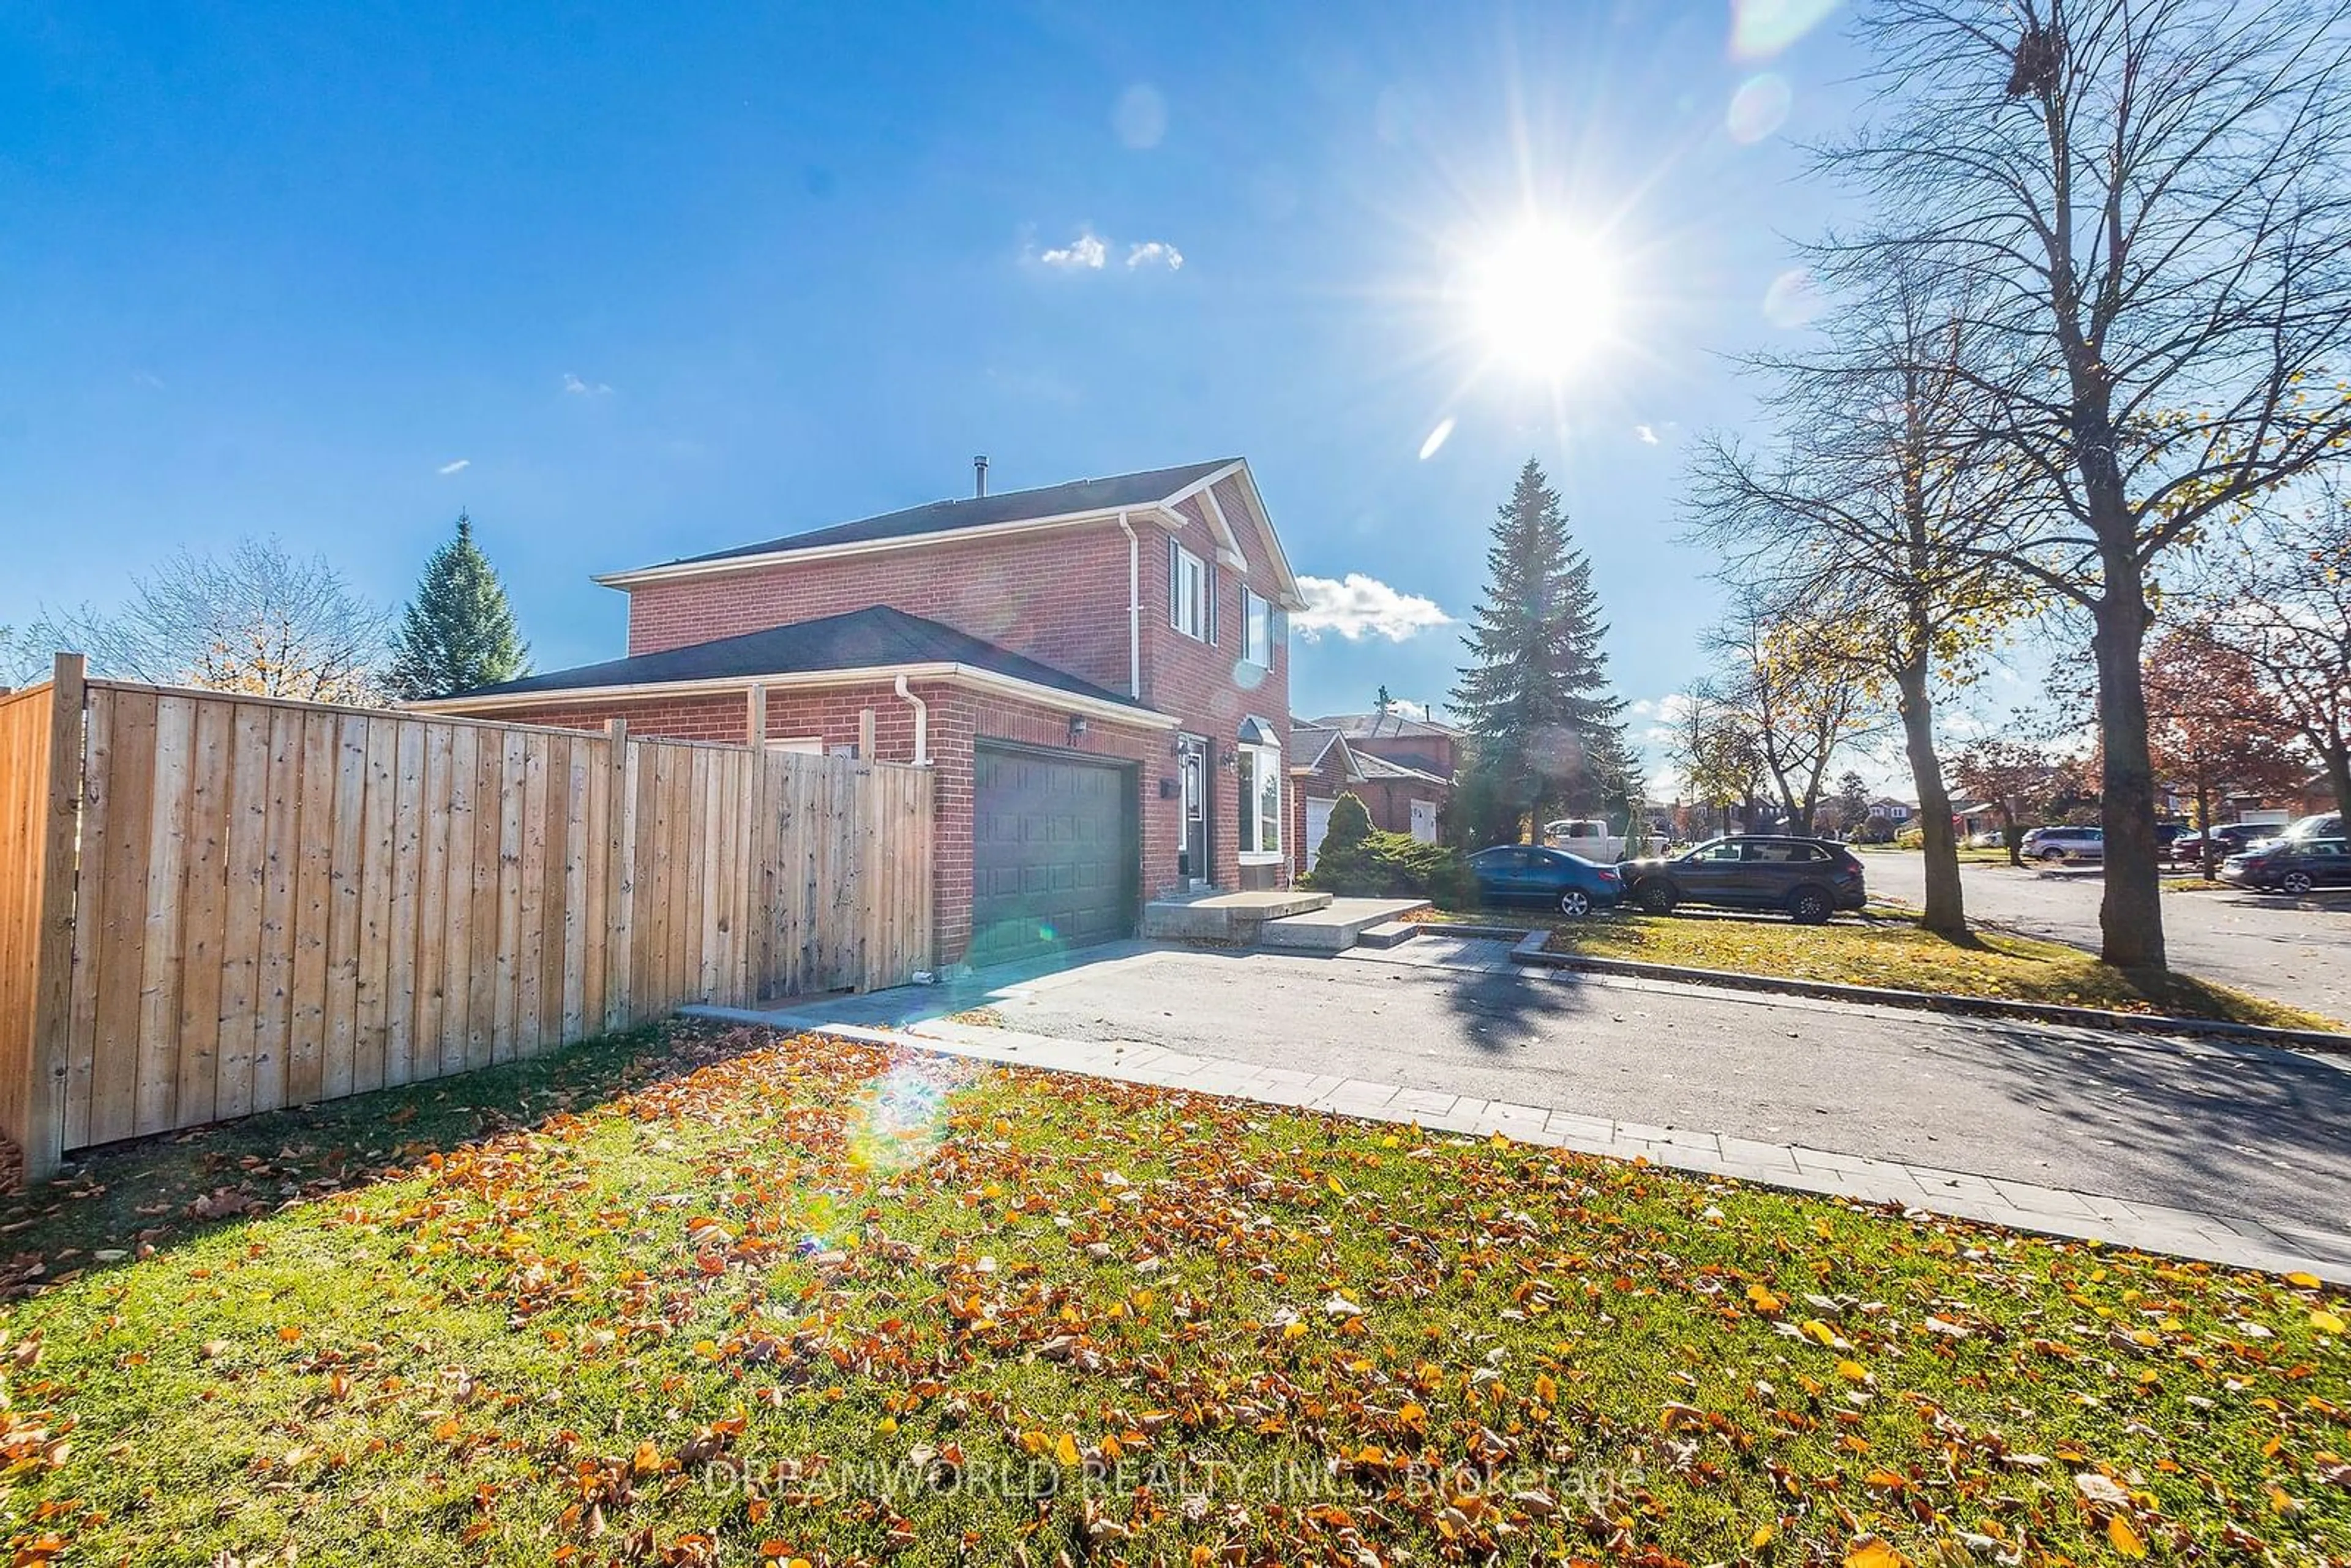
(1424, 821)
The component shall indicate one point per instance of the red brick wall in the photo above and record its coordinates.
(1207, 688)
(1058, 597)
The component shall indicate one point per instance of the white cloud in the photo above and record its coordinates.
(1154, 253)
(1644, 435)
(1083, 254)
(457, 467)
(148, 380)
(1405, 707)
(579, 388)
(1357, 606)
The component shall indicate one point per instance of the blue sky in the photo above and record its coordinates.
(636, 282)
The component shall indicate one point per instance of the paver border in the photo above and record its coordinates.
(1532, 951)
(2225, 1241)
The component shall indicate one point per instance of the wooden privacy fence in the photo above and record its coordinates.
(213, 904)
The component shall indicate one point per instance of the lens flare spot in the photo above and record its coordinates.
(1793, 299)
(1436, 438)
(1761, 29)
(1758, 108)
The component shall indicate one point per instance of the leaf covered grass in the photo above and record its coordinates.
(796, 1300)
(1890, 948)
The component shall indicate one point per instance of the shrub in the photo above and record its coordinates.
(1358, 861)
(1910, 839)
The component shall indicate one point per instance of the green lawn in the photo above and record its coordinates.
(1892, 949)
(708, 1297)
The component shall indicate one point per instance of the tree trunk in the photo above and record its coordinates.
(1946, 913)
(2204, 830)
(2130, 918)
(2338, 779)
(2009, 836)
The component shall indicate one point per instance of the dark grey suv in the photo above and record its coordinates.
(1812, 879)
(2292, 866)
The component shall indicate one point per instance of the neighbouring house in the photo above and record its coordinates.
(1423, 744)
(1886, 808)
(1099, 673)
(1325, 764)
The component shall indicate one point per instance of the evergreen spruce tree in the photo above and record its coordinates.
(1534, 697)
(459, 632)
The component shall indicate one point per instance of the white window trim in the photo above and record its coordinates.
(1178, 601)
(1269, 760)
(1256, 612)
(798, 745)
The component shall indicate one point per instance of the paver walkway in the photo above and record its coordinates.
(915, 1020)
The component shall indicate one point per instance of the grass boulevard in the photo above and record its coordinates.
(1888, 948)
(706, 1296)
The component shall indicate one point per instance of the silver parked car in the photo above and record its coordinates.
(2065, 843)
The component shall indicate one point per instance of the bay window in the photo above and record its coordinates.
(1261, 803)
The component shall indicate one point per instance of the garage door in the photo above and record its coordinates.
(1054, 862)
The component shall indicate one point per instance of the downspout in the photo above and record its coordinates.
(922, 724)
(1134, 609)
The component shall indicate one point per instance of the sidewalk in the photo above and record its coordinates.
(913, 1018)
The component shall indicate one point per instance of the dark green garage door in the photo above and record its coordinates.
(1054, 862)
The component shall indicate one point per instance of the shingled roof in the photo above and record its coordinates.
(1077, 497)
(874, 638)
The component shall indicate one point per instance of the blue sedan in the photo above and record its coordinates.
(1529, 874)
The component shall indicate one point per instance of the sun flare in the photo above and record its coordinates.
(1544, 300)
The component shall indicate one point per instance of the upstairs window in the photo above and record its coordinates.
(1256, 636)
(1188, 609)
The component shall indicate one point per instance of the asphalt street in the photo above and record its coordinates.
(2243, 1131)
(2256, 942)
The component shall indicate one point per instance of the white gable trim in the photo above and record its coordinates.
(1288, 596)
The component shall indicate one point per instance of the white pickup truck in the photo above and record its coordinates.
(1588, 837)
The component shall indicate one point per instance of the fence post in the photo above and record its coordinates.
(620, 830)
(44, 1110)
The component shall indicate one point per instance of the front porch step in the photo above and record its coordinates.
(1390, 933)
(1338, 926)
(1225, 916)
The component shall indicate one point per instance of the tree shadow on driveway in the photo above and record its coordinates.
(2236, 1129)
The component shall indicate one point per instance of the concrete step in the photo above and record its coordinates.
(1336, 928)
(1390, 933)
(1225, 916)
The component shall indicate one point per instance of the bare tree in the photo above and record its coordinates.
(2278, 595)
(1714, 748)
(23, 660)
(1801, 693)
(2151, 202)
(1881, 505)
(259, 620)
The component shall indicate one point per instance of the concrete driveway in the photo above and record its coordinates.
(2238, 1131)
(2256, 942)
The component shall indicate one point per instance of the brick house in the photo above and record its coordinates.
(1326, 761)
(1423, 744)
(1099, 673)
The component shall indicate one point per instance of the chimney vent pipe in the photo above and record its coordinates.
(980, 475)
